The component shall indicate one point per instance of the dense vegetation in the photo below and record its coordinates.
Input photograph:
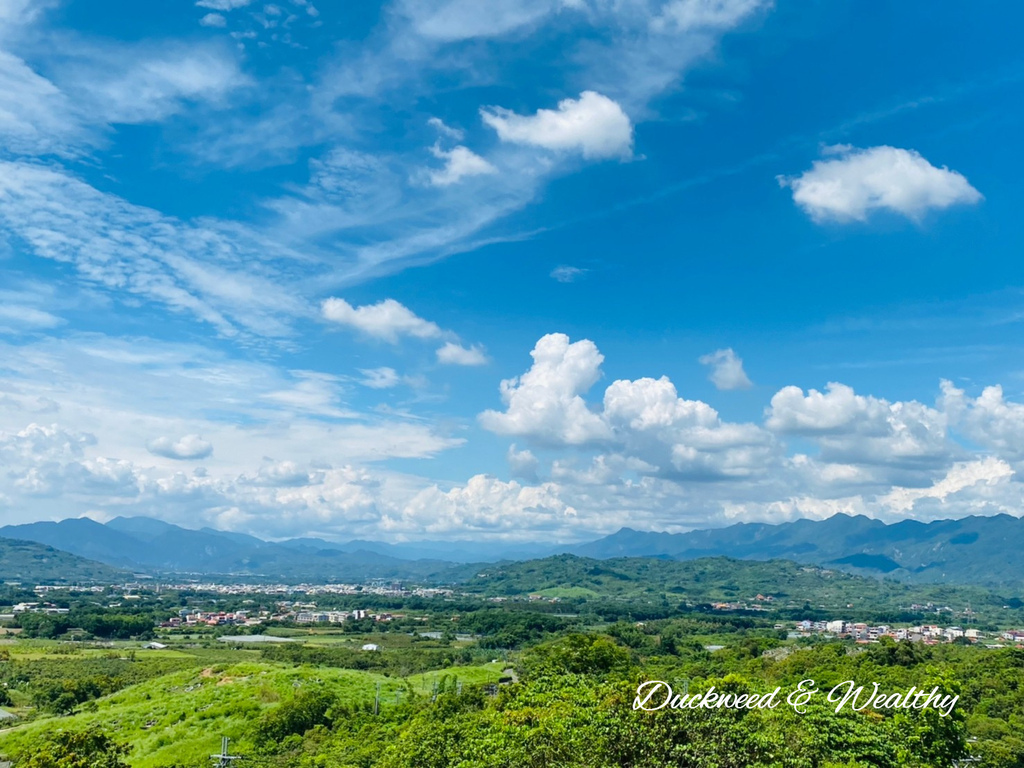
(32, 562)
(795, 590)
(306, 706)
(529, 664)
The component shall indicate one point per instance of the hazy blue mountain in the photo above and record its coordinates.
(983, 550)
(972, 549)
(32, 563)
(142, 528)
(82, 537)
(154, 546)
(453, 551)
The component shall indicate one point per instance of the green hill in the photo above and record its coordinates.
(714, 579)
(32, 563)
(179, 718)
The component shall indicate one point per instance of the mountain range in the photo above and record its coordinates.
(147, 545)
(981, 550)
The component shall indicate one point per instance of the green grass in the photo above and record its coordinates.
(181, 717)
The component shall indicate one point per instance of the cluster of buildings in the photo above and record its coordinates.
(48, 608)
(930, 634)
(386, 589)
(300, 613)
(310, 615)
(188, 617)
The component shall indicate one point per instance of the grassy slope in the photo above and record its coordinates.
(181, 717)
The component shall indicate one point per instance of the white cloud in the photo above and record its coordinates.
(387, 320)
(125, 84)
(857, 182)
(859, 429)
(726, 370)
(545, 403)
(446, 130)
(460, 163)
(523, 464)
(187, 447)
(981, 475)
(567, 274)
(989, 420)
(593, 125)
(485, 505)
(284, 465)
(35, 116)
(213, 20)
(651, 429)
(456, 354)
(453, 20)
(380, 378)
(229, 277)
(25, 317)
(676, 436)
(686, 15)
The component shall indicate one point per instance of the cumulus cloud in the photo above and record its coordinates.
(593, 125)
(726, 370)
(545, 403)
(187, 447)
(387, 320)
(652, 428)
(989, 420)
(982, 475)
(856, 182)
(486, 504)
(674, 435)
(456, 354)
(213, 20)
(459, 163)
(852, 428)
(638, 450)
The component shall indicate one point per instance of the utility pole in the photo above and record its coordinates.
(376, 700)
(224, 759)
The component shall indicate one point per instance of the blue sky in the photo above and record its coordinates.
(281, 268)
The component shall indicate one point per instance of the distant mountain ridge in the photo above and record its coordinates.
(982, 550)
(154, 546)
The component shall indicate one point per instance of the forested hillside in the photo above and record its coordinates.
(37, 563)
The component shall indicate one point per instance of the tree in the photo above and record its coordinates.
(79, 749)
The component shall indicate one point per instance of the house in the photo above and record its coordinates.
(371, 647)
